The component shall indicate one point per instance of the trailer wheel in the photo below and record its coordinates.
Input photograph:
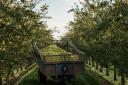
(53, 77)
(42, 77)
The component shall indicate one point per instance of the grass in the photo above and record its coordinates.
(31, 79)
(84, 79)
(110, 77)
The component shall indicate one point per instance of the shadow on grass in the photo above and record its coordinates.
(30, 82)
(84, 79)
(36, 82)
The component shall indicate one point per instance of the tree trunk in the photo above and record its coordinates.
(19, 71)
(0, 80)
(101, 69)
(115, 73)
(107, 71)
(96, 65)
(26, 66)
(21, 68)
(89, 61)
(9, 78)
(122, 78)
(0, 75)
(93, 63)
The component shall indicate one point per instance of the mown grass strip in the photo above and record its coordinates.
(99, 77)
(26, 73)
(31, 79)
(82, 79)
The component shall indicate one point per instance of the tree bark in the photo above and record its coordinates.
(0, 80)
(115, 73)
(122, 78)
(101, 69)
(21, 68)
(107, 71)
(89, 61)
(96, 65)
(93, 63)
(0, 74)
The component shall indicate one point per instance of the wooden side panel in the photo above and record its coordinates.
(54, 69)
(78, 68)
(49, 69)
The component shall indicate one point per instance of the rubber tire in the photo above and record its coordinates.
(42, 77)
(53, 77)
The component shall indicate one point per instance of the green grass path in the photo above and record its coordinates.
(32, 79)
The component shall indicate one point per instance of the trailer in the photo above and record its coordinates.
(59, 66)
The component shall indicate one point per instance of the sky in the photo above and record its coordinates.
(58, 10)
